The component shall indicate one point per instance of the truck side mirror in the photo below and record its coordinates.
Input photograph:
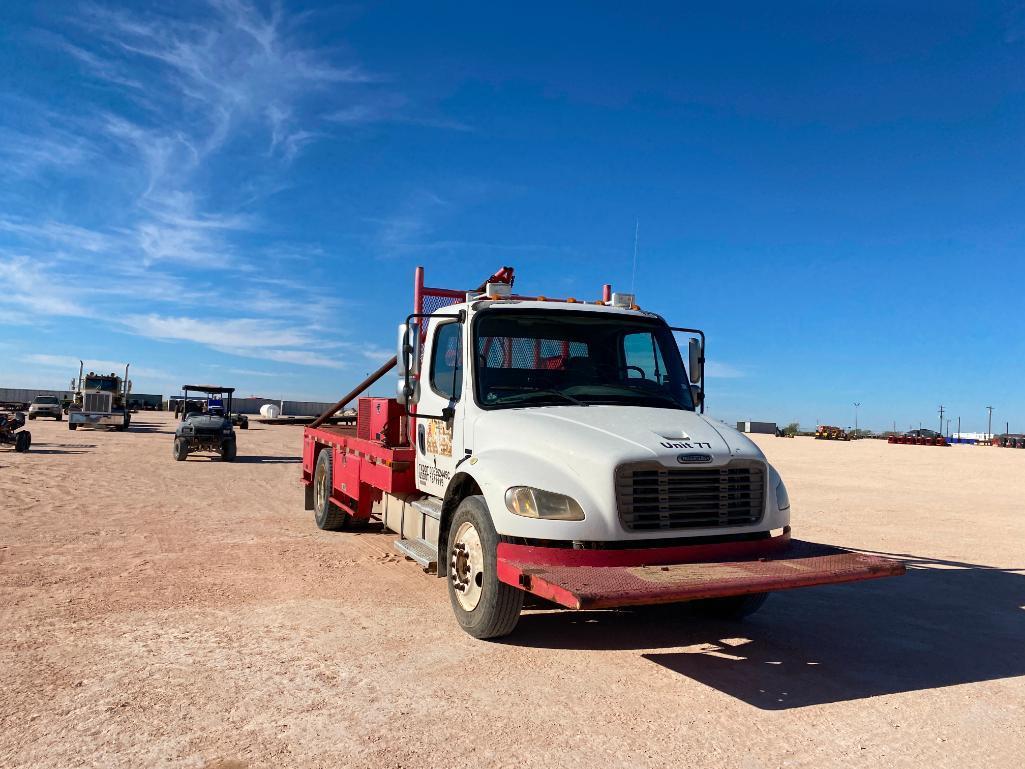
(408, 352)
(407, 358)
(697, 363)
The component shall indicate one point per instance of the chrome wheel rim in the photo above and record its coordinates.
(466, 566)
(319, 487)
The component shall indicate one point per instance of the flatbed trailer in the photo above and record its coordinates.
(560, 501)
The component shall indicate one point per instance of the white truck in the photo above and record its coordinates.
(101, 400)
(559, 447)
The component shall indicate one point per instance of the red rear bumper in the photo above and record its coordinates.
(593, 579)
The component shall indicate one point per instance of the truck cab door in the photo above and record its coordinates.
(439, 421)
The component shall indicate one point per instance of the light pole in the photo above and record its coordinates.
(989, 428)
(856, 405)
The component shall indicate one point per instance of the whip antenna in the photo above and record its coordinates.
(633, 274)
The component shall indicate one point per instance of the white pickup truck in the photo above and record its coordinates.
(558, 447)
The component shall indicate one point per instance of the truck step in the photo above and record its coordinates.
(429, 506)
(421, 551)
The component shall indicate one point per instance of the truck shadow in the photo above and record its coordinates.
(944, 623)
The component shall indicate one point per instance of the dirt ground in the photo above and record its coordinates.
(155, 613)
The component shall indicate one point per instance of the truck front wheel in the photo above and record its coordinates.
(327, 514)
(484, 606)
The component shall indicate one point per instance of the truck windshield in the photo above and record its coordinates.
(533, 358)
(105, 384)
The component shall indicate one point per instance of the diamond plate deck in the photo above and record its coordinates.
(802, 564)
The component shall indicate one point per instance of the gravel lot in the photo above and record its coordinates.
(155, 613)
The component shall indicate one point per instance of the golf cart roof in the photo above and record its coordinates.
(209, 389)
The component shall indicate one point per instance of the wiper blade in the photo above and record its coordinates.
(542, 391)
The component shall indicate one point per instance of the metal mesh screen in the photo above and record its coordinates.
(522, 353)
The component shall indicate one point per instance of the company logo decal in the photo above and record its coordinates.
(692, 459)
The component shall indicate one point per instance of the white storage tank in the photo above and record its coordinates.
(270, 411)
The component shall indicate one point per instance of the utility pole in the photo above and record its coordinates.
(856, 405)
(959, 427)
(989, 428)
(941, 419)
(948, 428)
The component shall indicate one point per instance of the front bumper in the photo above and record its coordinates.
(101, 420)
(45, 412)
(598, 579)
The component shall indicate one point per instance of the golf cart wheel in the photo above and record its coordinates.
(484, 606)
(229, 450)
(731, 607)
(22, 441)
(326, 513)
(181, 450)
(72, 426)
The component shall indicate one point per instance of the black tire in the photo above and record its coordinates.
(732, 607)
(31, 416)
(244, 424)
(498, 608)
(229, 450)
(72, 426)
(59, 417)
(22, 441)
(326, 513)
(181, 450)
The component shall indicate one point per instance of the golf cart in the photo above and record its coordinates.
(206, 425)
(12, 419)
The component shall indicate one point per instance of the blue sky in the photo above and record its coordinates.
(240, 192)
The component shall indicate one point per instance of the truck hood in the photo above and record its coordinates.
(592, 436)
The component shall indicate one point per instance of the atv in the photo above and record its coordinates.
(206, 425)
(11, 421)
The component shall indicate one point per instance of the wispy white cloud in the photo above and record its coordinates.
(70, 364)
(717, 370)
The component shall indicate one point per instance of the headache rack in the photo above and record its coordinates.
(652, 497)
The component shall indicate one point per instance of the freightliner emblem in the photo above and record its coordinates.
(692, 459)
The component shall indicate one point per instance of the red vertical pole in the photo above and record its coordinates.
(418, 304)
(418, 288)
(606, 292)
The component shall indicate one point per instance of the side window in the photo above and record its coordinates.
(447, 361)
(642, 358)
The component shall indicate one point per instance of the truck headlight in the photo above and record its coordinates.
(782, 498)
(535, 503)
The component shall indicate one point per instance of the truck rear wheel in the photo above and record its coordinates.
(228, 450)
(484, 606)
(326, 513)
(181, 450)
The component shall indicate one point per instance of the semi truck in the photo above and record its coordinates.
(101, 400)
(559, 447)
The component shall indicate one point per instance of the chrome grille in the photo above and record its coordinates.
(97, 402)
(652, 497)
